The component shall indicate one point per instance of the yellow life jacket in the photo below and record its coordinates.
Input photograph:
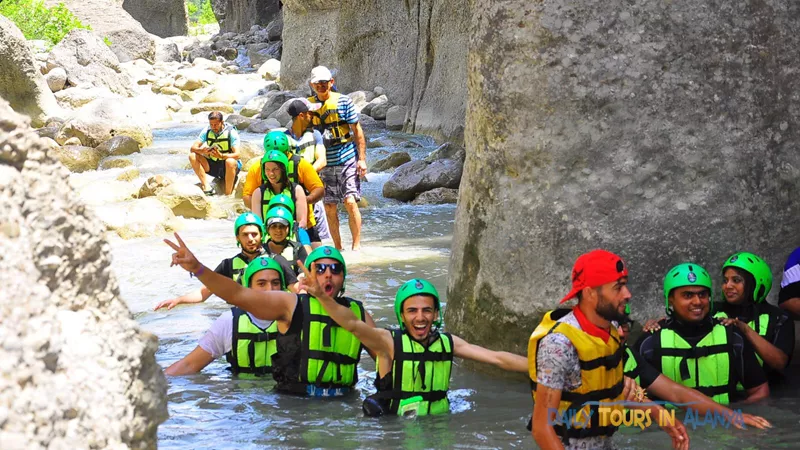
(327, 118)
(222, 140)
(601, 379)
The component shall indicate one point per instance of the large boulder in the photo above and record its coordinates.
(21, 82)
(205, 107)
(78, 158)
(129, 41)
(263, 126)
(89, 62)
(138, 218)
(275, 100)
(163, 18)
(75, 97)
(270, 70)
(254, 105)
(105, 118)
(167, 51)
(263, 52)
(56, 79)
(75, 360)
(185, 200)
(396, 117)
(415, 177)
(220, 94)
(119, 146)
(239, 16)
(396, 159)
(636, 121)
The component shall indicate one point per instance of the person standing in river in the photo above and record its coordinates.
(346, 154)
(315, 357)
(578, 358)
(216, 153)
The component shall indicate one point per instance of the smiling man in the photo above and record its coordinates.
(695, 350)
(414, 362)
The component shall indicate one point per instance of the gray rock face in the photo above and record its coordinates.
(263, 126)
(438, 196)
(119, 146)
(263, 52)
(163, 18)
(416, 49)
(129, 41)
(88, 60)
(274, 100)
(396, 159)
(395, 117)
(379, 111)
(239, 15)
(86, 369)
(20, 80)
(239, 121)
(415, 177)
(638, 118)
(167, 51)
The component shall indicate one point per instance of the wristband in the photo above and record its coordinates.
(199, 272)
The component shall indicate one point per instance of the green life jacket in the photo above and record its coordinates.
(239, 265)
(421, 371)
(631, 368)
(223, 140)
(761, 324)
(252, 347)
(329, 354)
(707, 366)
(266, 196)
(290, 252)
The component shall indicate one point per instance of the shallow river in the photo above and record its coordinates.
(212, 410)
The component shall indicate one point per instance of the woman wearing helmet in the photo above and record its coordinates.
(275, 182)
(279, 226)
(746, 281)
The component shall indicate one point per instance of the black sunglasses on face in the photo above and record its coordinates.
(336, 268)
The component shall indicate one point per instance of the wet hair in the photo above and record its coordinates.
(215, 115)
(749, 283)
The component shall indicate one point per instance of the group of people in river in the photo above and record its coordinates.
(290, 316)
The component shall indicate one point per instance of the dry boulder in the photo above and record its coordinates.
(185, 200)
(88, 61)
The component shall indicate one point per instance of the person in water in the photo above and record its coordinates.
(747, 279)
(789, 296)
(247, 342)
(694, 349)
(279, 224)
(578, 357)
(649, 378)
(315, 357)
(299, 171)
(414, 362)
(248, 229)
(276, 182)
(346, 153)
(216, 152)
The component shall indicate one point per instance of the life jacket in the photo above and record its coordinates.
(706, 366)
(420, 371)
(252, 347)
(266, 196)
(631, 368)
(328, 354)
(761, 323)
(327, 118)
(290, 252)
(601, 379)
(306, 146)
(223, 140)
(239, 265)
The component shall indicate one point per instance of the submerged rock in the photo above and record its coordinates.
(76, 360)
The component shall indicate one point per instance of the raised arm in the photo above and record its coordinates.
(270, 305)
(504, 360)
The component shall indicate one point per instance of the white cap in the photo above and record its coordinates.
(320, 73)
(279, 220)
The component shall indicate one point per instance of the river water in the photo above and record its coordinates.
(212, 410)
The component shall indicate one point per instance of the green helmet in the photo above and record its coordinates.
(276, 140)
(282, 200)
(279, 212)
(326, 251)
(276, 157)
(686, 274)
(248, 218)
(417, 286)
(756, 267)
(262, 263)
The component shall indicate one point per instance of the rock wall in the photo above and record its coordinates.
(665, 132)
(416, 50)
(20, 80)
(77, 371)
(238, 16)
(163, 18)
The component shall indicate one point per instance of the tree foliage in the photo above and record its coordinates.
(37, 21)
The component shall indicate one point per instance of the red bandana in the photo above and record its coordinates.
(590, 328)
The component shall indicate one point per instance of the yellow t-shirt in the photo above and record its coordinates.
(306, 174)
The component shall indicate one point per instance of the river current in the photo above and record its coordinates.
(212, 410)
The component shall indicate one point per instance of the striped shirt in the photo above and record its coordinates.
(339, 154)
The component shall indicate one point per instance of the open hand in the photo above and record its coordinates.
(753, 421)
(652, 325)
(169, 304)
(735, 322)
(308, 282)
(678, 434)
(183, 256)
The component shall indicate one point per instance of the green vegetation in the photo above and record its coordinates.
(39, 22)
(200, 12)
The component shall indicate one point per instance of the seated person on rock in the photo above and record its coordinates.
(279, 222)
(216, 152)
(248, 230)
(789, 296)
(247, 342)
(415, 361)
(298, 170)
(315, 357)
(695, 350)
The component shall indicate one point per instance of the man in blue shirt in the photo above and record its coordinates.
(346, 154)
(216, 152)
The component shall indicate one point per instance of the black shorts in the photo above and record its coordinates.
(216, 168)
(313, 236)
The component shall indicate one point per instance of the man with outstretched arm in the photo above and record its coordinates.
(315, 357)
(414, 362)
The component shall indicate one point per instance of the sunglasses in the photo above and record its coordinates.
(336, 268)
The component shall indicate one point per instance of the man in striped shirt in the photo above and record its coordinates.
(337, 120)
